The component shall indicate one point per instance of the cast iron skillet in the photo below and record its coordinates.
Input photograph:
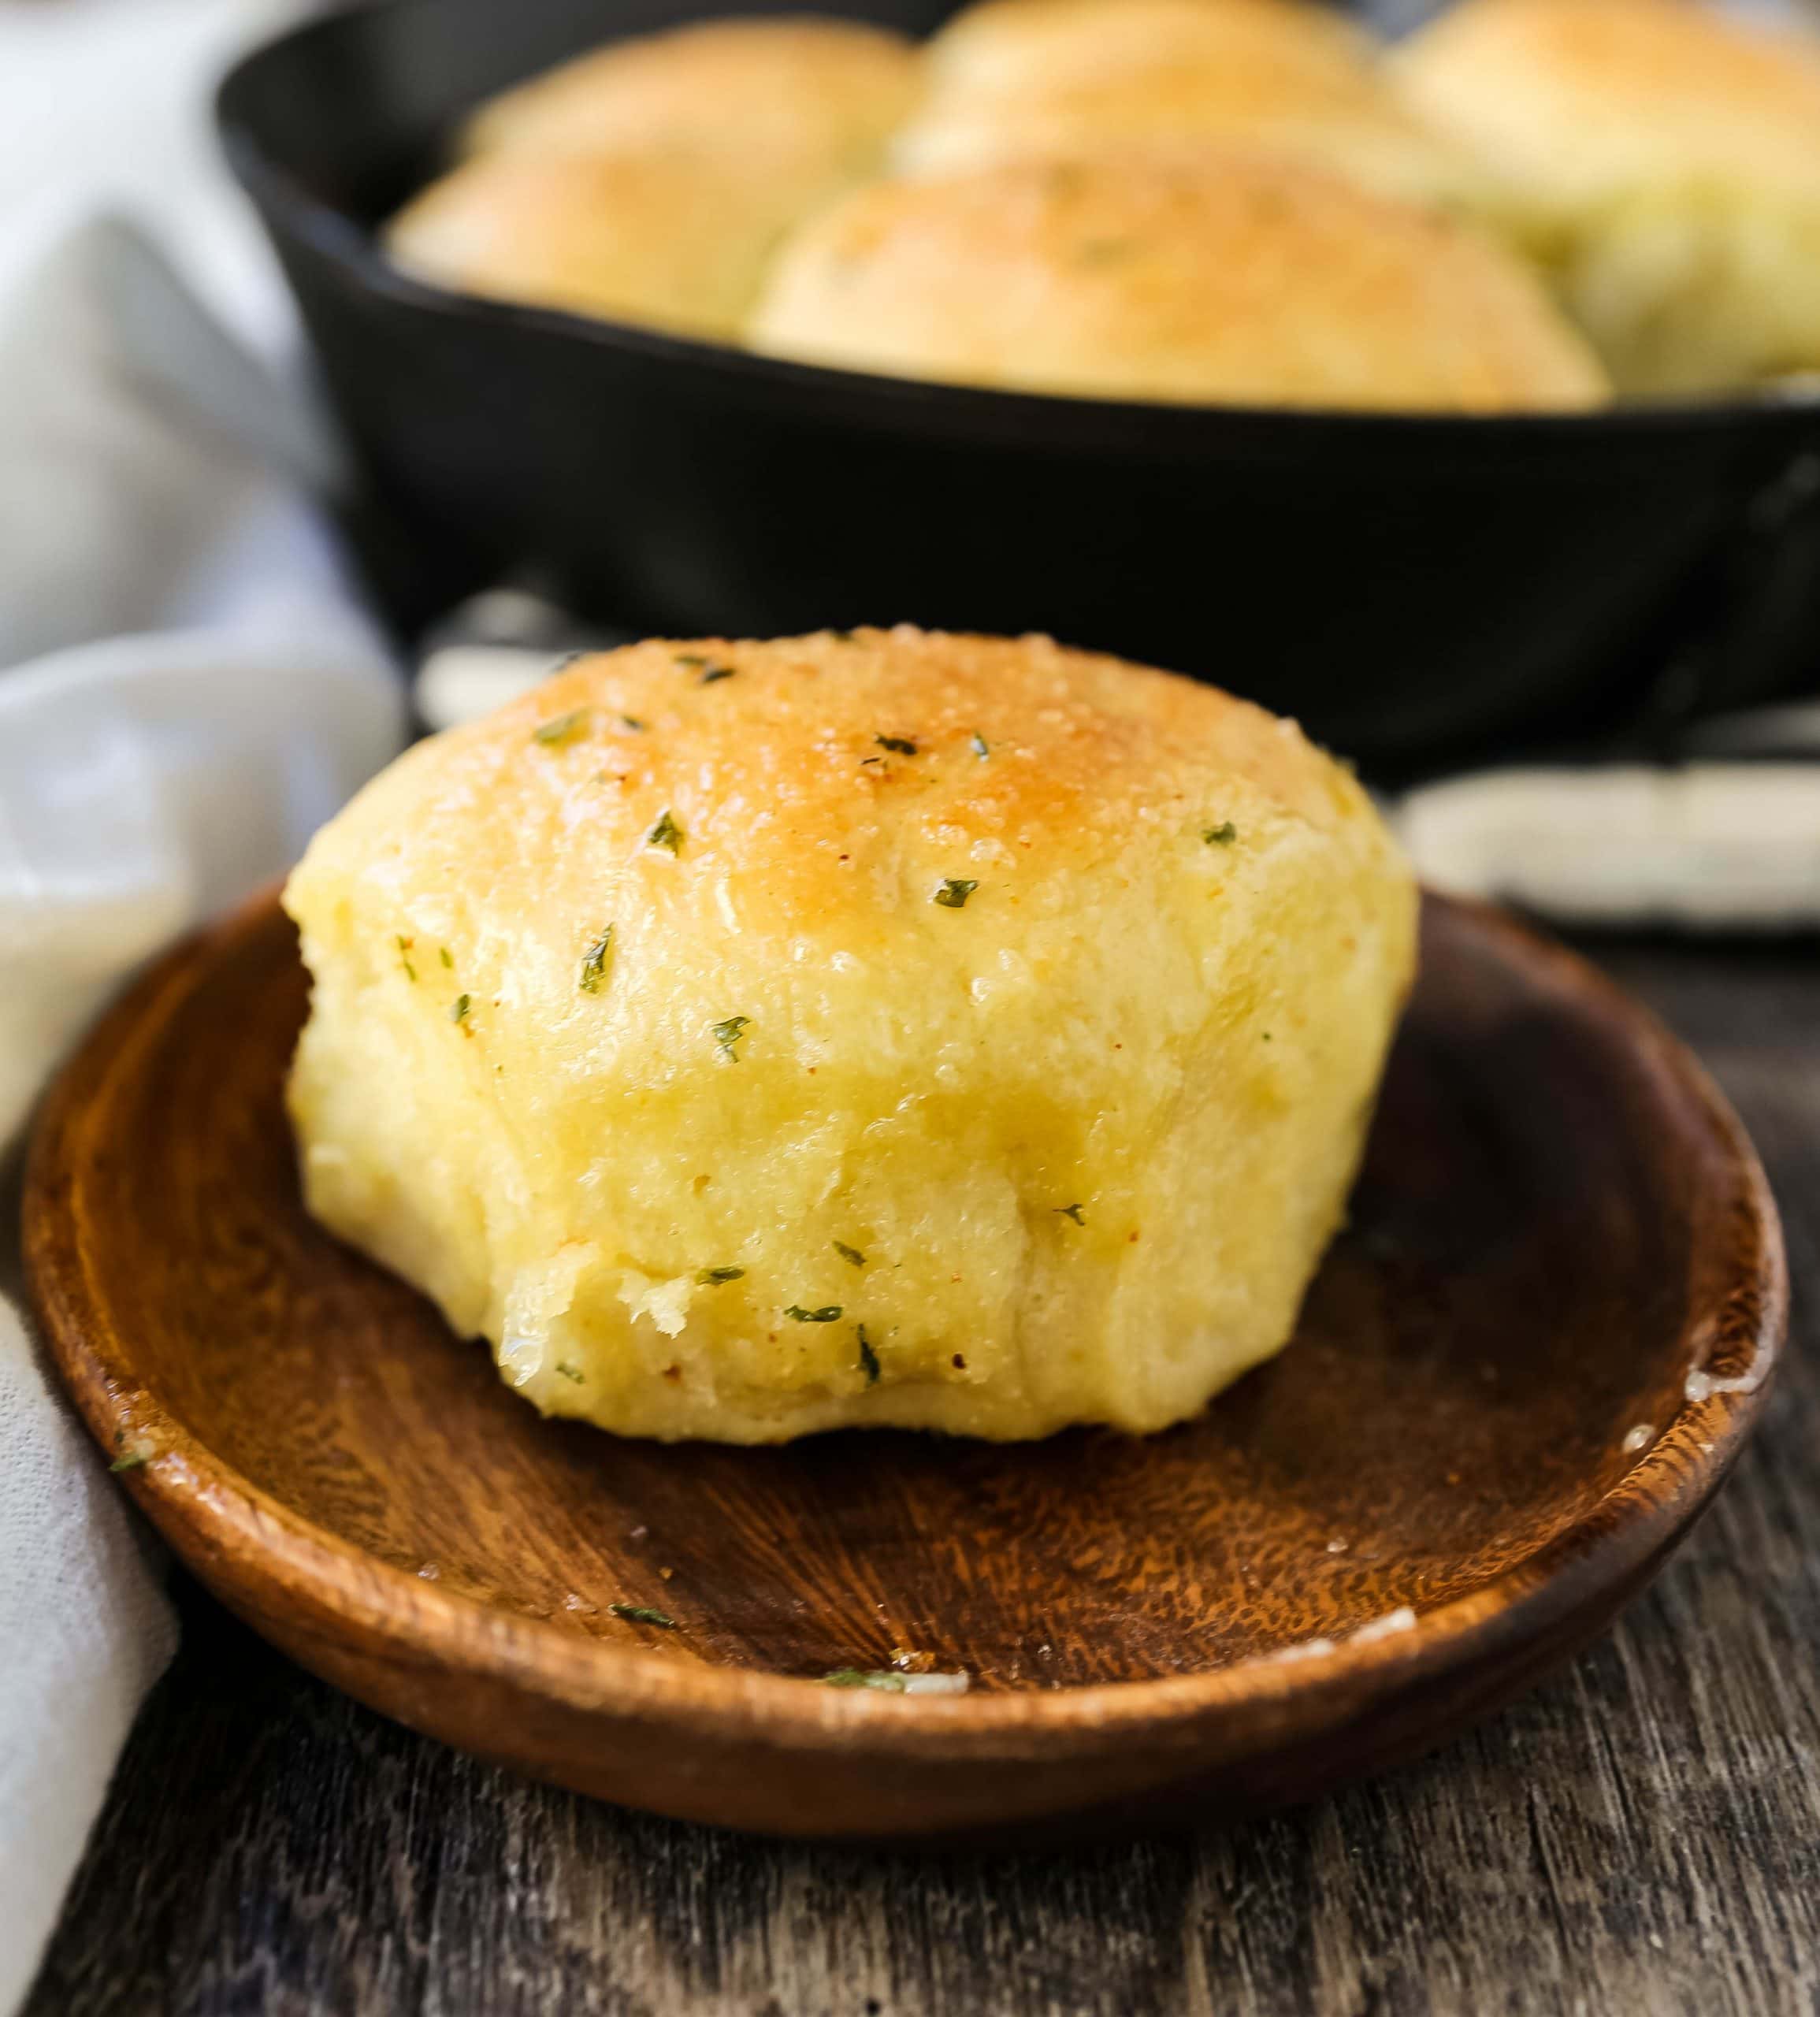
(1414, 589)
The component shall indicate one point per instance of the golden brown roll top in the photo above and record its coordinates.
(822, 91)
(1221, 277)
(1000, 42)
(1013, 78)
(1576, 100)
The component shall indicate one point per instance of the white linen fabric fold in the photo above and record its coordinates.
(1703, 846)
(204, 694)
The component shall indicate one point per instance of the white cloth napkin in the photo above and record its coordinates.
(1705, 846)
(203, 694)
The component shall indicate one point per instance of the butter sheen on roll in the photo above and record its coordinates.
(867, 1028)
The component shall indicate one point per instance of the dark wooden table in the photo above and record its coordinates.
(1641, 1835)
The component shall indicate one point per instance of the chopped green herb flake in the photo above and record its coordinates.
(711, 1277)
(693, 659)
(954, 892)
(632, 722)
(594, 962)
(829, 1313)
(666, 834)
(1074, 1212)
(901, 745)
(868, 1358)
(404, 946)
(978, 744)
(886, 1683)
(643, 1614)
(131, 1460)
(446, 956)
(727, 1035)
(711, 673)
(1222, 836)
(459, 1007)
(554, 733)
(850, 1254)
(569, 1372)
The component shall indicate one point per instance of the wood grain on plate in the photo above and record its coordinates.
(1484, 1420)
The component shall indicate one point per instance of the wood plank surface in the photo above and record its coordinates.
(1640, 1835)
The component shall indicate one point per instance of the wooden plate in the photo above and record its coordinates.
(1519, 1377)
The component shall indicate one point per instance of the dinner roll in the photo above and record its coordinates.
(677, 240)
(1664, 161)
(1227, 277)
(821, 92)
(1020, 77)
(873, 1028)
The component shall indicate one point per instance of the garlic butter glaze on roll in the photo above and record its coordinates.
(1215, 276)
(865, 1028)
(1662, 159)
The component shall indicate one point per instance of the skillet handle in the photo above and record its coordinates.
(1761, 641)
